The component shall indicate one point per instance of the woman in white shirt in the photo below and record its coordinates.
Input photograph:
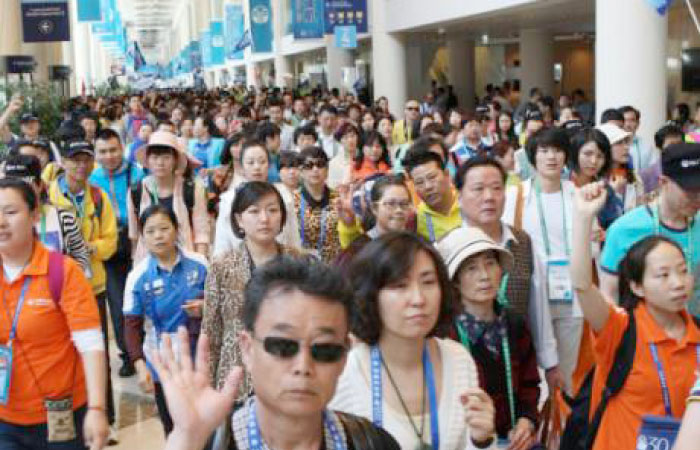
(542, 206)
(421, 389)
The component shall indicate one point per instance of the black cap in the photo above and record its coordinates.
(28, 117)
(26, 167)
(534, 114)
(681, 163)
(76, 148)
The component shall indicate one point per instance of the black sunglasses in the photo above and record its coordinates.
(321, 164)
(288, 348)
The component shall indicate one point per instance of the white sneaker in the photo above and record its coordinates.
(113, 436)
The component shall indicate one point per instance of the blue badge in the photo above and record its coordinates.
(5, 373)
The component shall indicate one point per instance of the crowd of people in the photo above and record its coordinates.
(306, 271)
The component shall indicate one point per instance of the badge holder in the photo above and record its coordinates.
(5, 373)
(559, 287)
(60, 420)
(658, 432)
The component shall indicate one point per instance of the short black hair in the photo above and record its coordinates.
(665, 132)
(384, 261)
(235, 139)
(107, 133)
(267, 130)
(289, 159)
(611, 114)
(313, 152)
(629, 108)
(306, 130)
(547, 137)
(478, 161)
(329, 109)
(420, 154)
(247, 195)
(25, 190)
(581, 138)
(289, 274)
(157, 208)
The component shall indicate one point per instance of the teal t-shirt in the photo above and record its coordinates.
(640, 223)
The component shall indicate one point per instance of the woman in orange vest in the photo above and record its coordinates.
(52, 361)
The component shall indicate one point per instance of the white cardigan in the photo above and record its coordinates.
(353, 395)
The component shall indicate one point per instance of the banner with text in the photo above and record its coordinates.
(307, 19)
(45, 20)
(345, 12)
(217, 42)
(261, 25)
(233, 31)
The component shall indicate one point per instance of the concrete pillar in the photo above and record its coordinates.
(282, 65)
(537, 61)
(336, 60)
(80, 37)
(11, 29)
(631, 74)
(388, 60)
(462, 73)
(250, 69)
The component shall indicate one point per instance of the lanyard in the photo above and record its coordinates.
(662, 376)
(18, 309)
(502, 289)
(689, 235)
(506, 361)
(322, 230)
(543, 223)
(79, 205)
(42, 230)
(376, 378)
(255, 440)
(429, 225)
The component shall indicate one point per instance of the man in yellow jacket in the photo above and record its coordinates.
(405, 130)
(71, 190)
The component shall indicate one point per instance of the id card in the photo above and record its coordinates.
(559, 287)
(658, 432)
(59, 420)
(5, 373)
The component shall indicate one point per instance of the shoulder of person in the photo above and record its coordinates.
(138, 271)
(195, 257)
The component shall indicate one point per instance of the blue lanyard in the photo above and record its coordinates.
(662, 376)
(376, 378)
(543, 222)
(429, 225)
(322, 230)
(255, 440)
(18, 309)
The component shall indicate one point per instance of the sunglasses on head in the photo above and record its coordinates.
(288, 348)
(319, 163)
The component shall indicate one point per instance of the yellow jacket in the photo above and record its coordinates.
(99, 233)
(401, 135)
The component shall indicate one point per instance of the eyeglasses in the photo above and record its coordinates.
(319, 163)
(402, 205)
(288, 348)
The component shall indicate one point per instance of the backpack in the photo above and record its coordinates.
(56, 276)
(580, 433)
(187, 192)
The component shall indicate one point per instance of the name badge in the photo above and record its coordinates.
(658, 433)
(5, 373)
(60, 421)
(559, 288)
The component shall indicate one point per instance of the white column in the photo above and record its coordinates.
(250, 70)
(282, 66)
(388, 60)
(336, 60)
(462, 73)
(11, 29)
(631, 74)
(536, 61)
(80, 37)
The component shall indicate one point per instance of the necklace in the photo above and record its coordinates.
(421, 445)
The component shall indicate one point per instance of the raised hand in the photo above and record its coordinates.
(480, 414)
(344, 204)
(194, 405)
(589, 199)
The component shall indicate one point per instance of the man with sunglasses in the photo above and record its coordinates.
(406, 129)
(294, 347)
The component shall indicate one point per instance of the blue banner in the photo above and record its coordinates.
(233, 30)
(45, 20)
(195, 54)
(217, 42)
(205, 45)
(345, 36)
(307, 19)
(261, 25)
(346, 12)
(89, 11)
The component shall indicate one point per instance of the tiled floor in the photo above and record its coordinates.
(137, 418)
